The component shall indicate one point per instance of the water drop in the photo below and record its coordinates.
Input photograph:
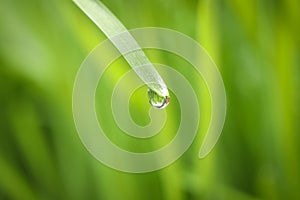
(156, 100)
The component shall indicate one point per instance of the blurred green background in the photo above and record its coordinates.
(255, 44)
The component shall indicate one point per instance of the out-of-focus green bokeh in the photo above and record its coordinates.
(255, 44)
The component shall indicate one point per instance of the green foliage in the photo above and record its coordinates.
(254, 43)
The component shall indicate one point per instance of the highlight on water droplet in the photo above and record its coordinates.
(156, 100)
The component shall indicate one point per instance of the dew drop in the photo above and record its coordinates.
(156, 100)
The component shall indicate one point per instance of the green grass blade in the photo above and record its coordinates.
(125, 43)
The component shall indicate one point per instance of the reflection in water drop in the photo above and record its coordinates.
(156, 100)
